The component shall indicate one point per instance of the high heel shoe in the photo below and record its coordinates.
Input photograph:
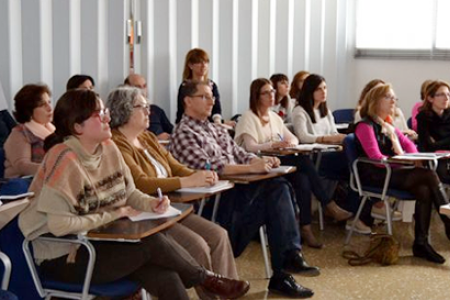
(337, 213)
(309, 238)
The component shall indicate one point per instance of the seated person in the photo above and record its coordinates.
(418, 105)
(84, 183)
(433, 123)
(159, 123)
(262, 129)
(198, 143)
(378, 139)
(24, 147)
(80, 81)
(152, 166)
(283, 103)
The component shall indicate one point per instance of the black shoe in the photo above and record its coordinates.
(427, 252)
(286, 285)
(296, 263)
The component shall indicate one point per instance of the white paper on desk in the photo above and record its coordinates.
(171, 212)
(315, 146)
(421, 156)
(9, 211)
(342, 126)
(445, 209)
(219, 186)
(15, 197)
(281, 169)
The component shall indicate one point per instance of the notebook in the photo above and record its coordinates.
(171, 212)
(219, 186)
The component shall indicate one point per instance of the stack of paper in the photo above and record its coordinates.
(219, 186)
(9, 211)
(281, 169)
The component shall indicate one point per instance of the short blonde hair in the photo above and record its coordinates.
(372, 100)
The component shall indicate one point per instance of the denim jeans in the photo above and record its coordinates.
(247, 207)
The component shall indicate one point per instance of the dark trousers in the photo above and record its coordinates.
(156, 263)
(247, 207)
(423, 183)
(305, 181)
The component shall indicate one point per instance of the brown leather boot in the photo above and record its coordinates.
(309, 238)
(225, 287)
(337, 213)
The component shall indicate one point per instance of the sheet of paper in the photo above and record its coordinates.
(171, 212)
(219, 186)
(281, 169)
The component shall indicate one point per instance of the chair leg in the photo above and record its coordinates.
(145, 295)
(264, 245)
(358, 213)
(388, 215)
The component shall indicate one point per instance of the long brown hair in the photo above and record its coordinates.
(255, 93)
(294, 84)
(194, 56)
(275, 79)
(306, 96)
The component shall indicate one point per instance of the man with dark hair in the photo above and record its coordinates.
(159, 123)
(200, 144)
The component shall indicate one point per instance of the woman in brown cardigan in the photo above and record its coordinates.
(152, 167)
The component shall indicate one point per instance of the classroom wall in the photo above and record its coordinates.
(50, 40)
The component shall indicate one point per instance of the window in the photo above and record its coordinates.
(408, 28)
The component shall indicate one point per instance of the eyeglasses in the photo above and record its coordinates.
(442, 95)
(102, 114)
(392, 98)
(204, 97)
(268, 92)
(144, 107)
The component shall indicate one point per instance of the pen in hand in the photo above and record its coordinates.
(281, 138)
(208, 165)
(160, 194)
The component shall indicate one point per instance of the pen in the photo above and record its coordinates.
(281, 138)
(160, 194)
(208, 165)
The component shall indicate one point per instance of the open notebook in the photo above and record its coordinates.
(219, 186)
(171, 212)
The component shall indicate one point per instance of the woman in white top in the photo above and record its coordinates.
(314, 123)
(261, 129)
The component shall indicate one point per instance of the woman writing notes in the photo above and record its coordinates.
(379, 139)
(153, 167)
(84, 183)
(261, 129)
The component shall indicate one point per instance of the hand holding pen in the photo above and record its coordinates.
(162, 204)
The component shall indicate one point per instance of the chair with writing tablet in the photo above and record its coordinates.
(365, 191)
(51, 288)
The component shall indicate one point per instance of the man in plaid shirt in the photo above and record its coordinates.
(243, 210)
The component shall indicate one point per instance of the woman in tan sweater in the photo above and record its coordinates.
(152, 166)
(84, 183)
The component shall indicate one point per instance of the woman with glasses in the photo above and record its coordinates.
(24, 147)
(378, 139)
(84, 183)
(152, 167)
(261, 129)
(433, 123)
(196, 67)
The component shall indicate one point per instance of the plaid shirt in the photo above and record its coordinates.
(195, 143)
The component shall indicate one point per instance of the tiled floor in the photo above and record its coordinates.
(411, 278)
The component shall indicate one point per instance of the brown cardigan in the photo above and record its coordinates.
(143, 171)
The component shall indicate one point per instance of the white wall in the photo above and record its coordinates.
(50, 40)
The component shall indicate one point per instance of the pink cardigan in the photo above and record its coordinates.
(366, 136)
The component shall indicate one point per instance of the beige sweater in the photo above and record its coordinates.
(76, 192)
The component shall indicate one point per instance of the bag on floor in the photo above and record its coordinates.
(383, 249)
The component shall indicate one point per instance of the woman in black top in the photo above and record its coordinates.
(433, 124)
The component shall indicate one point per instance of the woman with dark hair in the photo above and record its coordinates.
(24, 147)
(84, 183)
(152, 166)
(418, 105)
(80, 81)
(433, 123)
(297, 83)
(283, 103)
(313, 122)
(378, 139)
(261, 129)
(196, 67)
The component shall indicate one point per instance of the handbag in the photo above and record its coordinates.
(383, 249)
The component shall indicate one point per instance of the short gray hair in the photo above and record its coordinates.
(121, 103)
